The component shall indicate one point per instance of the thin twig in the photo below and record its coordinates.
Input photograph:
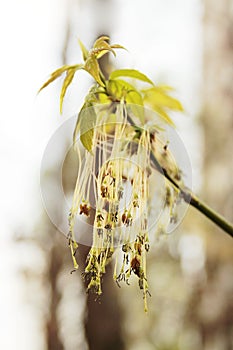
(194, 201)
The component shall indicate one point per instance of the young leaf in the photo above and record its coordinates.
(87, 121)
(99, 41)
(56, 74)
(92, 67)
(163, 114)
(131, 73)
(97, 94)
(103, 98)
(117, 46)
(90, 100)
(84, 50)
(165, 88)
(66, 83)
(76, 129)
(68, 80)
(157, 96)
(133, 96)
(135, 103)
(117, 88)
(101, 47)
(103, 51)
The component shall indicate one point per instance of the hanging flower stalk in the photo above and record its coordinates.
(117, 172)
(114, 174)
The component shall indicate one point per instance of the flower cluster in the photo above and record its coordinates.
(116, 173)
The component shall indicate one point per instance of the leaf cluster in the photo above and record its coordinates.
(116, 88)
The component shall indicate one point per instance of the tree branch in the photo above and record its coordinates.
(193, 200)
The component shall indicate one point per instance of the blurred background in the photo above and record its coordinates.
(185, 44)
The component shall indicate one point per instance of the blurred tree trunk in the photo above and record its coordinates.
(215, 318)
(218, 112)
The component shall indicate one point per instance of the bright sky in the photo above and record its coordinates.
(163, 38)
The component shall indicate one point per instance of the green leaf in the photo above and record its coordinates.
(68, 80)
(90, 100)
(117, 88)
(157, 96)
(103, 51)
(103, 98)
(92, 67)
(159, 101)
(133, 96)
(135, 104)
(100, 40)
(76, 129)
(101, 47)
(117, 46)
(87, 121)
(56, 74)
(131, 73)
(165, 88)
(97, 94)
(163, 115)
(84, 50)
